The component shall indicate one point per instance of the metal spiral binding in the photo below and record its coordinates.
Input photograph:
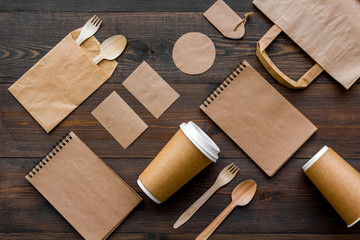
(224, 84)
(56, 148)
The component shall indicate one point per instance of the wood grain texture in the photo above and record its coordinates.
(115, 5)
(151, 37)
(332, 109)
(150, 236)
(286, 206)
(288, 203)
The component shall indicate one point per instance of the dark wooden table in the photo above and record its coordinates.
(286, 206)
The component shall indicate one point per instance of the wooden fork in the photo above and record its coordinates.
(224, 177)
(89, 29)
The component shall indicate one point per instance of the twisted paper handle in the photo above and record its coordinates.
(243, 20)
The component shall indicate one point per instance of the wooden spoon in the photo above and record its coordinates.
(241, 196)
(111, 48)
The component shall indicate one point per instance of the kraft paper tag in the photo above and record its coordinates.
(226, 20)
(119, 120)
(150, 89)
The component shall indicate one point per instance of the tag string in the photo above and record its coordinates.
(243, 20)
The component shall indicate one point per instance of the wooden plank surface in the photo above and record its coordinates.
(151, 36)
(116, 5)
(332, 110)
(286, 203)
(286, 206)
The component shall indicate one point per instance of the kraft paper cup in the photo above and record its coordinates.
(188, 152)
(337, 181)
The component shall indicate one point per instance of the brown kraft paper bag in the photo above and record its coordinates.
(326, 30)
(60, 81)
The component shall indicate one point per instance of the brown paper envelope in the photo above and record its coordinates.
(119, 119)
(225, 20)
(60, 81)
(150, 89)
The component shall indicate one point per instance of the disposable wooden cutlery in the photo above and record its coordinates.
(89, 29)
(241, 196)
(224, 177)
(111, 48)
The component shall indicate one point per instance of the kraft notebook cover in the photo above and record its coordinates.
(258, 118)
(83, 189)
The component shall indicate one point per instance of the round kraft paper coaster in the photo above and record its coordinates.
(194, 53)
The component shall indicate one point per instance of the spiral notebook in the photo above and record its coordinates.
(267, 127)
(83, 189)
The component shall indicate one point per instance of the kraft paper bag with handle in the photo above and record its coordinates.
(326, 30)
(60, 81)
(338, 182)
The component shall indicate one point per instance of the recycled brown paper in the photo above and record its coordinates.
(226, 20)
(194, 53)
(119, 120)
(83, 189)
(267, 127)
(326, 30)
(150, 89)
(60, 81)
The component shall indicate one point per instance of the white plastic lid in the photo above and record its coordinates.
(201, 140)
(315, 158)
(147, 192)
(349, 226)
